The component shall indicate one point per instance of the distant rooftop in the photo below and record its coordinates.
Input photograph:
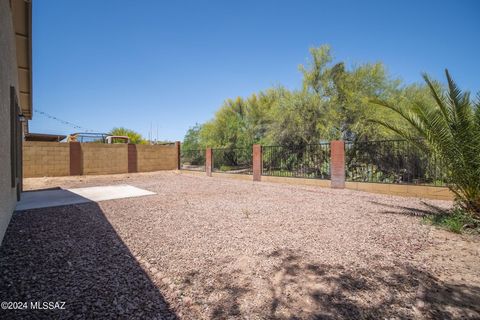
(44, 137)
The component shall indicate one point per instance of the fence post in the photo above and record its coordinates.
(208, 161)
(177, 146)
(76, 167)
(257, 162)
(337, 164)
(132, 158)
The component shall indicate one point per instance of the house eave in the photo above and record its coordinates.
(22, 22)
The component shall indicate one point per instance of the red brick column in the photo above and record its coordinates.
(208, 161)
(257, 162)
(177, 145)
(132, 158)
(75, 159)
(337, 164)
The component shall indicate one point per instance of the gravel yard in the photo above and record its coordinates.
(211, 248)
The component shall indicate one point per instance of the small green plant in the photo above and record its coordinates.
(247, 213)
(456, 220)
(225, 168)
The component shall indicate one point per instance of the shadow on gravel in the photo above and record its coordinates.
(229, 305)
(72, 254)
(300, 290)
(376, 293)
(429, 209)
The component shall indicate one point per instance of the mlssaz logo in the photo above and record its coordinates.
(39, 305)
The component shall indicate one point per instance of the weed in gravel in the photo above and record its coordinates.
(247, 213)
(456, 220)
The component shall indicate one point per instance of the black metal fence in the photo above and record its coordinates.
(392, 161)
(192, 160)
(237, 160)
(308, 161)
(85, 137)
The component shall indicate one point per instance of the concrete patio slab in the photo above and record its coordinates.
(62, 197)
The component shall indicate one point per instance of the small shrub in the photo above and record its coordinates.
(226, 168)
(456, 220)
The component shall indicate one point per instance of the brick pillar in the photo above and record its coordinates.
(132, 158)
(257, 162)
(76, 159)
(208, 161)
(177, 146)
(337, 164)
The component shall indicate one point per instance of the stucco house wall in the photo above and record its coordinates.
(8, 77)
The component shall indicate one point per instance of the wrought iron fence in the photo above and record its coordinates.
(308, 161)
(192, 160)
(392, 161)
(232, 160)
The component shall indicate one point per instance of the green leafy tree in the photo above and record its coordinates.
(299, 119)
(451, 129)
(192, 138)
(333, 103)
(135, 137)
(345, 94)
(239, 123)
(227, 129)
(317, 73)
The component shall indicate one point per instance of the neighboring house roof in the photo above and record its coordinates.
(44, 137)
(22, 22)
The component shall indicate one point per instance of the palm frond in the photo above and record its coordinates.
(405, 114)
(451, 128)
(402, 133)
(438, 97)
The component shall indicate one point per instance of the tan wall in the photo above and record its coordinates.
(104, 158)
(302, 181)
(232, 176)
(8, 77)
(42, 159)
(46, 159)
(154, 158)
(438, 193)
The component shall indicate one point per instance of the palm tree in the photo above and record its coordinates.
(450, 128)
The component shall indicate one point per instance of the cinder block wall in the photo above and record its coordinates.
(42, 159)
(53, 159)
(99, 158)
(156, 157)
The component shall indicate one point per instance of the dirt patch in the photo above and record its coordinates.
(210, 248)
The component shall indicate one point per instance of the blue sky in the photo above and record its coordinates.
(109, 63)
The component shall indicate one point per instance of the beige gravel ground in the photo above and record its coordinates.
(211, 248)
